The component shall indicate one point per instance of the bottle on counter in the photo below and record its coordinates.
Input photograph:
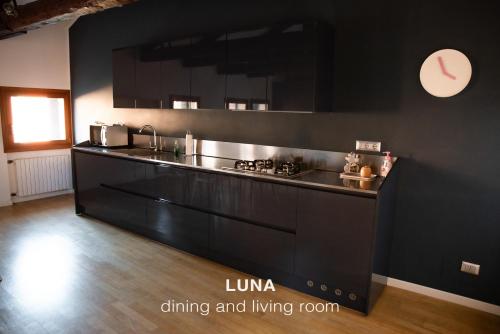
(189, 143)
(177, 150)
(386, 165)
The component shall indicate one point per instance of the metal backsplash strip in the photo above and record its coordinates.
(310, 158)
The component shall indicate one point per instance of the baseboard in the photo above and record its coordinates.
(443, 295)
(5, 203)
(40, 196)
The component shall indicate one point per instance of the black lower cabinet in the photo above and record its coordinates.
(116, 207)
(232, 196)
(251, 243)
(198, 192)
(165, 182)
(319, 242)
(274, 205)
(178, 226)
(334, 245)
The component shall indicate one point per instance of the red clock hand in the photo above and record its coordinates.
(443, 69)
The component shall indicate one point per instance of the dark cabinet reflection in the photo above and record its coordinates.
(147, 82)
(124, 78)
(206, 61)
(247, 69)
(278, 67)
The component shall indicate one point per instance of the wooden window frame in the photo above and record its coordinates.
(5, 110)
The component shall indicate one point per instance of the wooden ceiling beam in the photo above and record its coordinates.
(39, 13)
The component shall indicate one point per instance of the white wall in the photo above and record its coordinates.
(39, 59)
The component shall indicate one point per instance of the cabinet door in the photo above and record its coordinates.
(334, 239)
(120, 173)
(251, 243)
(93, 170)
(147, 80)
(115, 207)
(291, 86)
(89, 194)
(175, 74)
(247, 69)
(206, 60)
(124, 78)
(166, 182)
(232, 196)
(199, 190)
(178, 226)
(274, 205)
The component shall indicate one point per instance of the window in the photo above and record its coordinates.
(184, 102)
(260, 105)
(35, 119)
(236, 104)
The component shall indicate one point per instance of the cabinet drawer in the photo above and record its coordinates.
(263, 246)
(232, 196)
(166, 182)
(116, 207)
(178, 226)
(93, 170)
(260, 202)
(274, 204)
(199, 189)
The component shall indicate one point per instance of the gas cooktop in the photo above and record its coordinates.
(267, 167)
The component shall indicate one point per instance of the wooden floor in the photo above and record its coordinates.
(68, 274)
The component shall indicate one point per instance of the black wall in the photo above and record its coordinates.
(447, 205)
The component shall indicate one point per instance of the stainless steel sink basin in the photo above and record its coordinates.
(136, 151)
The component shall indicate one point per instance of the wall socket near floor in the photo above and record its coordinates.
(470, 268)
(371, 146)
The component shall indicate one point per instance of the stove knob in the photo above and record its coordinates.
(352, 296)
(338, 292)
(323, 287)
(310, 283)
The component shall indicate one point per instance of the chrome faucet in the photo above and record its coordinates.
(154, 136)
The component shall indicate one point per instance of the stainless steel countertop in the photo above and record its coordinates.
(314, 178)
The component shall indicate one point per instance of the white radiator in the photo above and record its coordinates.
(39, 175)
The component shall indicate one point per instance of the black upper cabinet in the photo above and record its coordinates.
(206, 61)
(147, 81)
(124, 78)
(280, 67)
(175, 74)
(247, 69)
(291, 86)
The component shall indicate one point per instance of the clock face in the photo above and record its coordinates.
(445, 73)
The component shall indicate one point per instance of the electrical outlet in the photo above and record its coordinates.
(470, 268)
(372, 146)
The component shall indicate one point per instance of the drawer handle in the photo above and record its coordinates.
(161, 200)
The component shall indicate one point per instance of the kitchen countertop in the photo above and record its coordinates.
(314, 178)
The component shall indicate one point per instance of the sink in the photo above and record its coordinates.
(149, 154)
(136, 151)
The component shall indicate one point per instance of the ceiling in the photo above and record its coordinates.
(24, 2)
(18, 17)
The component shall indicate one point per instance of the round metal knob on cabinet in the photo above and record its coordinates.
(352, 296)
(310, 283)
(338, 292)
(323, 287)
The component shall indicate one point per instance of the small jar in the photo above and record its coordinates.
(366, 171)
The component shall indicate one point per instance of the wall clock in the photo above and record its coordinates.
(445, 73)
